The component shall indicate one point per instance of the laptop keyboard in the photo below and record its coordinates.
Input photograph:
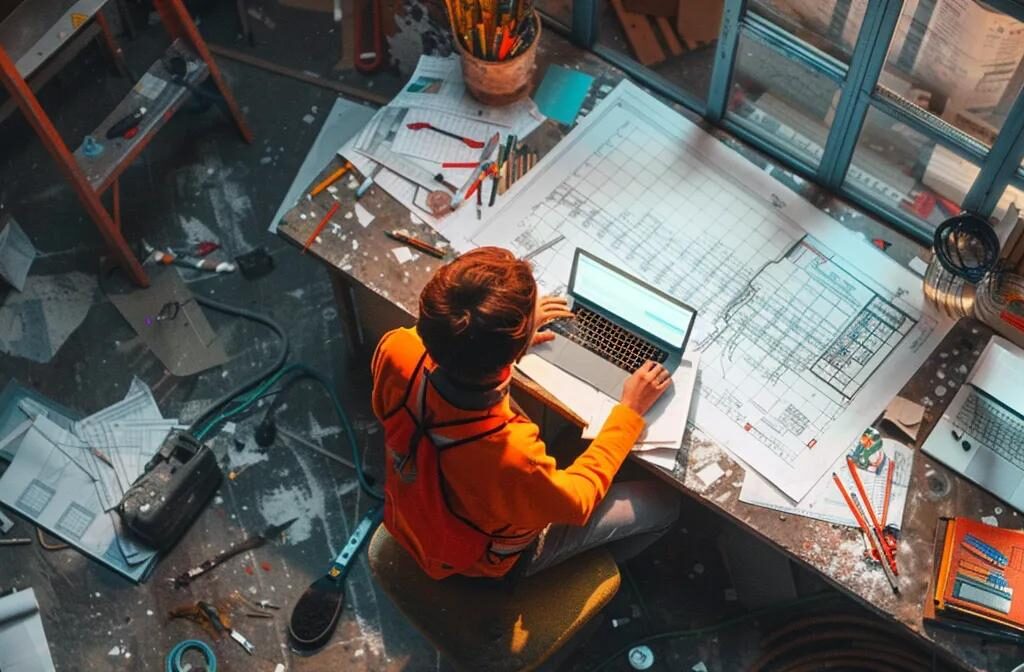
(994, 426)
(605, 338)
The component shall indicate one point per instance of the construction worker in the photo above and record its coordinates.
(470, 488)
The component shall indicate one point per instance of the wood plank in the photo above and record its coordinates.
(698, 21)
(640, 35)
(118, 153)
(666, 8)
(669, 33)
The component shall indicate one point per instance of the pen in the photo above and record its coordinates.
(320, 226)
(402, 236)
(330, 179)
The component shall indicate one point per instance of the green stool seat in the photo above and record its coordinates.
(488, 626)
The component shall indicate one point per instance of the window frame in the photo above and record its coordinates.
(858, 80)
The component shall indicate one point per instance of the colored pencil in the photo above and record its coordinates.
(320, 226)
(331, 179)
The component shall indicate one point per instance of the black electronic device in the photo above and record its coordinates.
(177, 483)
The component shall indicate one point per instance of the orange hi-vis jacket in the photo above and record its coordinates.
(504, 484)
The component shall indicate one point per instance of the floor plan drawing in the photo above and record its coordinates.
(792, 334)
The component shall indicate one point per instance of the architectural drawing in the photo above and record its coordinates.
(797, 315)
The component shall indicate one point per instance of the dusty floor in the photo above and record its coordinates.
(198, 181)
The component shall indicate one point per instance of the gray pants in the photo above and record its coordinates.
(631, 517)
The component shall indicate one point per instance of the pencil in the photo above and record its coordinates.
(888, 490)
(331, 179)
(421, 245)
(320, 226)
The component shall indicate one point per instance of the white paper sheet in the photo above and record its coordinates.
(23, 645)
(666, 421)
(805, 329)
(824, 501)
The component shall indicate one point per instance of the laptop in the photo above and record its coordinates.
(620, 323)
(981, 434)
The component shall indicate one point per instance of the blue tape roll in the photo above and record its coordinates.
(181, 648)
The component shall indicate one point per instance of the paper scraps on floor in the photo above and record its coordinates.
(23, 644)
(67, 479)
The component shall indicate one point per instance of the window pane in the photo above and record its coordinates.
(559, 10)
(959, 60)
(903, 169)
(782, 100)
(680, 49)
(832, 27)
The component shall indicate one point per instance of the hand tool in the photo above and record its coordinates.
(474, 178)
(249, 544)
(15, 542)
(315, 615)
(425, 126)
(222, 624)
(122, 126)
(368, 60)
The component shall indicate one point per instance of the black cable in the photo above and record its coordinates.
(253, 381)
(966, 232)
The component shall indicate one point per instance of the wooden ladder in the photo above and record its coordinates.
(92, 174)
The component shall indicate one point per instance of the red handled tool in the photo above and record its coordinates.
(425, 126)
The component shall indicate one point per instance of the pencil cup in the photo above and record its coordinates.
(500, 82)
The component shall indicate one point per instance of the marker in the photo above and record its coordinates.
(402, 236)
(124, 126)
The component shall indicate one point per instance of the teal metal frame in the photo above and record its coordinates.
(860, 91)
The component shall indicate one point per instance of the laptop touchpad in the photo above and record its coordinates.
(994, 473)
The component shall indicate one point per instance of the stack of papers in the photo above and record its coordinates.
(68, 478)
(666, 421)
(404, 162)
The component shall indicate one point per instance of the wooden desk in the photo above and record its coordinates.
(384, 293)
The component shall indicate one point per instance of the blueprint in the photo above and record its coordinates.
(805, 330)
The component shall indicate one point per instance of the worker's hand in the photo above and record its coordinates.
(645, 386)
(549, 309)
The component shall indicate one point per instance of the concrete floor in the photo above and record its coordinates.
(197, 180)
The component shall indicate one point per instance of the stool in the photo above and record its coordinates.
(488, 626)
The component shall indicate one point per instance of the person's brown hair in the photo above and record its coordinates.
(476, 313)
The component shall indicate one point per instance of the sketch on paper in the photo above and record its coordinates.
(797, 316)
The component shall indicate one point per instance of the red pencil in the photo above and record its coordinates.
(320, 226)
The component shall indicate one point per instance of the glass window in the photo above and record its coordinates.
(674, 40)
(832, 27)
(904, 170)
(782, 100)
(559, 10)
(1012, 195)
(958, 59)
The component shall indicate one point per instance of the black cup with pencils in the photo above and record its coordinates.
(497, 40)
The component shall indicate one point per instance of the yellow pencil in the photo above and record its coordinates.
(331, 179)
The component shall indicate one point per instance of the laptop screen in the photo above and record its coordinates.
(631, 300)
